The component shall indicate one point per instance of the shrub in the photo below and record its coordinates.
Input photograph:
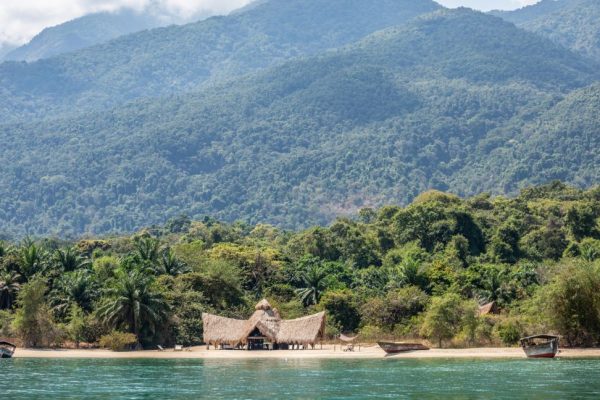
(118, 341)
(509, 332)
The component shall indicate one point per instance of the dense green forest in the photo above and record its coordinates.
(454, 100)
(415, 272)
(346, 105)
(177, 59)
(574, 24)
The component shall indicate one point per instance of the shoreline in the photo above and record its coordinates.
(328, 352)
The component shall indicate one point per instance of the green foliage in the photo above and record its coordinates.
(509, 332)
(445, 317)
(33, 320)
(9, 288)
(571, 304)
(6, 323)
(156, 283)
(342, 309)
(76, 329)
(334, 132)
(571, 23)
(396, 307)
(118, 341)
(132, 303)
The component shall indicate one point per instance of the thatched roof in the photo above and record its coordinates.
(303, 330)
(489, 308)
(220, 330)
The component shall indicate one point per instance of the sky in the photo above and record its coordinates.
(20, 20)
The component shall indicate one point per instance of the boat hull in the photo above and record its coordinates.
(5, 354)
(546, 350)
(397, 347)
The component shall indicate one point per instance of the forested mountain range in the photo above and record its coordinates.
(181, 58)
(82, 32)
(455, 100)
(572, 23)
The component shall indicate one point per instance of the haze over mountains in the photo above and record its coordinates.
(291, 113)
(83, 32)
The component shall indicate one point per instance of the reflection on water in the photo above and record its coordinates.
(299, 379)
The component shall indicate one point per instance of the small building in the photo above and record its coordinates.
(489, 308)
(264, 330)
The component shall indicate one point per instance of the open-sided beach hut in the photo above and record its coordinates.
(264, 329)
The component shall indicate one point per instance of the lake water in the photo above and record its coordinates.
(299, 379)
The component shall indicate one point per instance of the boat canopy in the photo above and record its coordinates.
(549, 337)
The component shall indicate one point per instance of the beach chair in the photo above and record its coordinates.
(178, 347)
(160, 348)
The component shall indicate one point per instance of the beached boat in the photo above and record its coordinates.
(540, 346)
(400, 347)
(7, 349)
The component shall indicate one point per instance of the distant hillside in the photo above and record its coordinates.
(531, 13)
(572, 23)
(181, 58)
(561, 143)
(81, 33)
(404, 110)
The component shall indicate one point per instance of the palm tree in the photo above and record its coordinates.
(407, 273)
(132, 303)
(169, 264)
(9, 287)
(31, 259)
(77, 287)
(313, 281)
(147, 250)
(70, 260)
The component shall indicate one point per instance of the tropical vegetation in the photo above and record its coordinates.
(419, 271)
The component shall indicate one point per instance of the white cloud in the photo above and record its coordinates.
(20, 20)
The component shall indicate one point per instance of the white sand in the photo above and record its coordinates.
(328, 352)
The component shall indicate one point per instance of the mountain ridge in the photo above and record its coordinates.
(183, 58)
(374, 122)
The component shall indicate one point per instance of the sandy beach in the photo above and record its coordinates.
(328, 352)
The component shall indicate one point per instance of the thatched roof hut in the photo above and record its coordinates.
(489, 308)
(267, 322)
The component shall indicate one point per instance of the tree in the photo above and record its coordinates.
(342, 309)
(33, 320)
(570, 304)
(132, 303)
(77, 287)
(69, 260)
(76, 328)
(9, 288)
(169, 264)
(313, 285)
(443, 318)
(147, 250)
(31, 260)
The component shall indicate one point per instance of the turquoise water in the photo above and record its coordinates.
(299, 379)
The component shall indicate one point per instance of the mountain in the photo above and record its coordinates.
(405, 109)
(572, 23)
(560, 144)
(533, 12)
(181, 58)
(5, 48)
(82, 32)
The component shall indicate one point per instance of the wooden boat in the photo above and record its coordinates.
(7, 349)
(540, 346)
(400, 347)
